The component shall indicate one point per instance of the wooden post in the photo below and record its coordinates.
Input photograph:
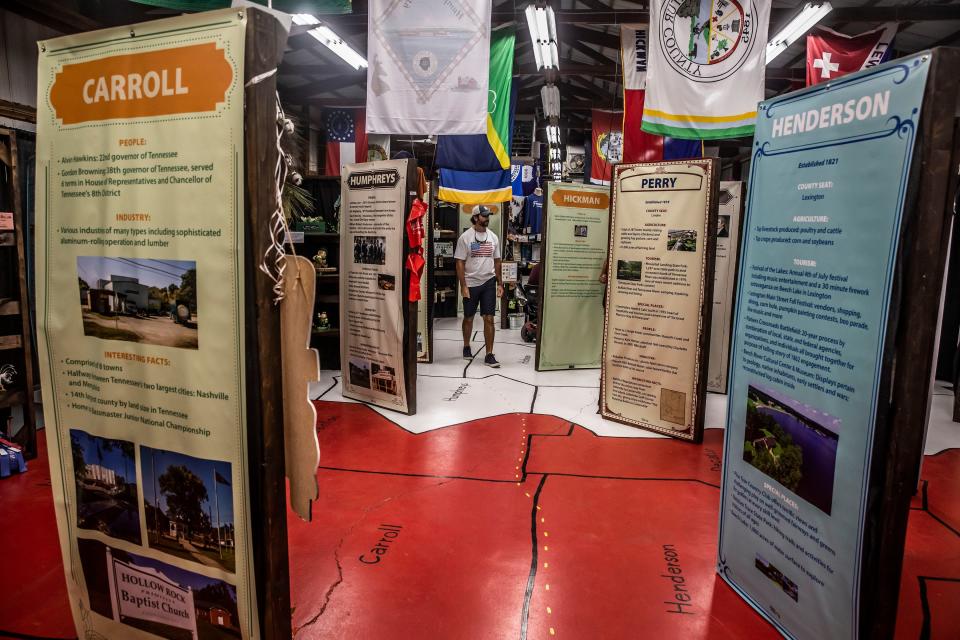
(910, 349)
(265, 41)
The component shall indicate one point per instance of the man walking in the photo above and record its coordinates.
(478, 271)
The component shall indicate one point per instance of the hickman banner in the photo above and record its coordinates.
(428, 66)
(377, 329)
(724, 281)
(140, 268)
(811, 359)
(659, 291)
(570, 333)
(706, 67)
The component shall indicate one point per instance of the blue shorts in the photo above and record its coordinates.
(483, 296)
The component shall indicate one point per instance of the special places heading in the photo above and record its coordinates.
(831, 115)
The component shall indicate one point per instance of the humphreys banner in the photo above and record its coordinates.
(571, 316)
(372, 239)
(826, 195)
(658, 293)
(141, 324)
(729, 212)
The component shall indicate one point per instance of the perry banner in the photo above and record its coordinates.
(374, 334)
(811, 330)
(141, 324)
(729, 215)
(575, 244)
(428, 66)
(705, 73)
(660, 259)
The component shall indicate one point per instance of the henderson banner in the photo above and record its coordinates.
(571, 296)
(728, 231)
(831, 54)
(659, 288)
(428, 65)
(705, 73)
(140, 262)
(377, 334)
(811, 355)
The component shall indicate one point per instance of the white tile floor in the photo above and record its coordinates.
(572, 394)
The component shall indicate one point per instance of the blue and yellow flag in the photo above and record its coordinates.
(489, 155)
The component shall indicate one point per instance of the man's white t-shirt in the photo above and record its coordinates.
(478, 250)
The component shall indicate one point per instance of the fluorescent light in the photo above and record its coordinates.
(325, 35)
(811, 14)
(553, 134)
(543, 35)
(550, 95)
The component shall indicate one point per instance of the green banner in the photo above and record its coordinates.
(577, 219)
(502, 43)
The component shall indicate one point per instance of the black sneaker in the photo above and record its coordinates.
(467, 355)
(491, 362)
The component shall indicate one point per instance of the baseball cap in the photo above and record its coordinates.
(481, 210)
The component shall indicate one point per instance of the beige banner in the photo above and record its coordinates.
(372, 240)
(730, 205)
(655, 295)
(141, 324)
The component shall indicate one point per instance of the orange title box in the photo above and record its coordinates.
(581, 199)
(189, 79)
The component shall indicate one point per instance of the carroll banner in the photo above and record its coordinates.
(372, 241)
(663, 222)
(571, 316)
(139, 235)
(827, 186)
(724, 280)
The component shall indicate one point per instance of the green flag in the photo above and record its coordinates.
(502, 43)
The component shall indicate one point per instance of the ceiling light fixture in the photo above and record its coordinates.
(553, 134)
(810, 15)
(550, 95)
(543, 34)
(325, 35)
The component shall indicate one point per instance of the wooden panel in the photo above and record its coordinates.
(9, 307)
(9, 342)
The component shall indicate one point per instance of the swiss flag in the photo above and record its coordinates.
(831, 54)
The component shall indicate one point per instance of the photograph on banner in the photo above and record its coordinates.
(576, 229)
(135, 591)
(106, 475)
(727, 253)
(662, 230)
(373, 216)
(138, 300)
(188, 507)
(119, 303)
(817, 272)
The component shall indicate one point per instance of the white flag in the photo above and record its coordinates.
(706, 64)
(428, 67)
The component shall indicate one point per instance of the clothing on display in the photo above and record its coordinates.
(533, 207)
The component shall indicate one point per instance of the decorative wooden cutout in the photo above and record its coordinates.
(301, 366)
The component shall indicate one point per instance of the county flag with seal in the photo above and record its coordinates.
(475, 169)
(346, 139)
(831, 54)
(607, 147)
(638, 145)
(705, 71)
(428, 64)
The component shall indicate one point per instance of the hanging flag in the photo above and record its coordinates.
(219, 478)
(607, 147)
(428, 65)
(523, 178)
(474, 187)
(705, 68)
(638, 145)
(346, 139)
(489, 153)
(831, 54)
(378, 147)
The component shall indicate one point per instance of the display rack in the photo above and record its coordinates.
(16, 343)
(445, 288)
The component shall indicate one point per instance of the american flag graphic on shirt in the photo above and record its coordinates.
(481, 250)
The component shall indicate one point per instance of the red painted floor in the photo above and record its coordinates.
(519, 526)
